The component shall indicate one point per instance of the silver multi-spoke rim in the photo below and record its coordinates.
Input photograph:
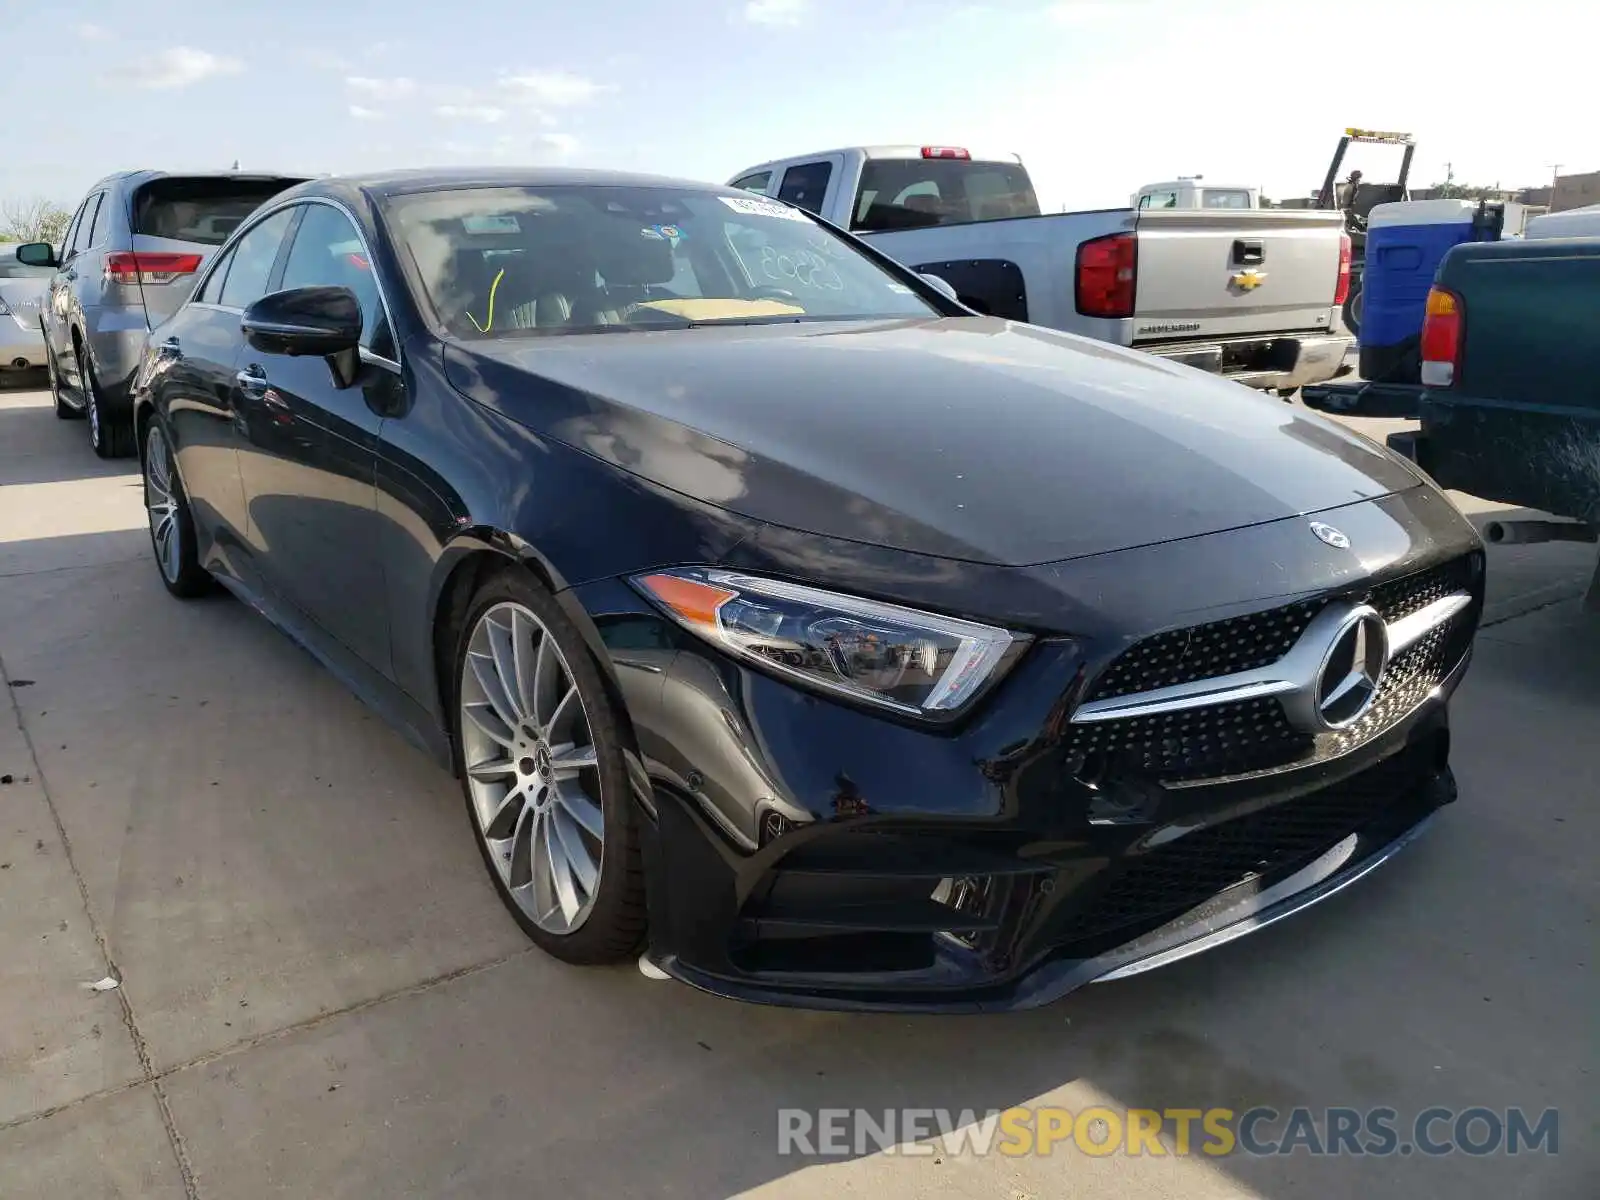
(161, 501)
(531, 768)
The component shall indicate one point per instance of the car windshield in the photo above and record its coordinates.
(512, 261)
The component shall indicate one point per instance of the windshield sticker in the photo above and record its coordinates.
(662, 233)
(754, 206)
(498, 223)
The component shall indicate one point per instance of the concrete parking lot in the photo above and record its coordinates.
(321, 996)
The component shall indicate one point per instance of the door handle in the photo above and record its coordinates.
(251, 379)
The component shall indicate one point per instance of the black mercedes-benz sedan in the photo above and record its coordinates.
(788, 624)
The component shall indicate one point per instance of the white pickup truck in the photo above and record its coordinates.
(1252, 294)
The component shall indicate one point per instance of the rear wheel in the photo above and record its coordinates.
(110, 436)
(542, 769)
(171, 522)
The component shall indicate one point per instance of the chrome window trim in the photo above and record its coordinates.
(266, 214)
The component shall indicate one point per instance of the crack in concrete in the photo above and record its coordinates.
(156, 1078)
(89, 566)
(140, 1049)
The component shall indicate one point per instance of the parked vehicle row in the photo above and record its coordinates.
(1253, 294)
(129, 258)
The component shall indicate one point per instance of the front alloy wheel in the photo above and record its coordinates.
(543, 775)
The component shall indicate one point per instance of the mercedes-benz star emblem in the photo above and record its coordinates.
(1346, 685)
(1333, 537)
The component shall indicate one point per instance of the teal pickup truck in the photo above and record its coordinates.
(1509, 402)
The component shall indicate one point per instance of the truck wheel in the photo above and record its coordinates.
(1351, 314)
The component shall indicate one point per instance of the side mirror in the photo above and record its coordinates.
(37, 254)
(308, 321)
(942, 286)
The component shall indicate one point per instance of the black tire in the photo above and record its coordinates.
(64, 411)
(615, 927)
(189, 579)
(109, 436)
(1351, 313)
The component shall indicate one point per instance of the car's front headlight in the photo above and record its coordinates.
(913, 662)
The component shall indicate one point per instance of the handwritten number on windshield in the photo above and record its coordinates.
(804, 267)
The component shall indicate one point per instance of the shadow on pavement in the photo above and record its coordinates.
(36, 446)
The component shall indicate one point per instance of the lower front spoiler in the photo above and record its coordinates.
(1230, 915)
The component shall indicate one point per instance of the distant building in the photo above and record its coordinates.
(1491, 194)
(1575, 191)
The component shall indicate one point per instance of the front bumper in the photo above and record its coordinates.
(802, 852)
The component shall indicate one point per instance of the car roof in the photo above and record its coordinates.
(147, 175)
(410, 182)
(907, 153)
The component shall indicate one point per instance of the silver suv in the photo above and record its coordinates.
(128, 260)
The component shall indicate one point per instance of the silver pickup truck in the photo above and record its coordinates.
(1252, 294)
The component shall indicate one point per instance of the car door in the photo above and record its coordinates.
(82, 289)
(58, 300)
(310, 458)
(196, 389)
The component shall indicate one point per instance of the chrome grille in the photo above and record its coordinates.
(1206, 651)
(1224, 739)
(1410, 676)
(1238, 738)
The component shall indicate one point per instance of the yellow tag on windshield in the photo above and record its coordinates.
(723, 310)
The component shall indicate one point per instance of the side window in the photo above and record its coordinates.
(806, 184)
(253, 257)
(72, 230)
(328, 252)
(212, 292)
(755, 183)
(102, 218)
(80, 228)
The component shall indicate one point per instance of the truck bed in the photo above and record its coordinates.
(1202, 276)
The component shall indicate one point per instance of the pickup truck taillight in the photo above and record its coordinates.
(1441, 338)
(146, 266)
(1341, 287)
(1108, 270)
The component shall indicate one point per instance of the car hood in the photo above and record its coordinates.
(964, 438)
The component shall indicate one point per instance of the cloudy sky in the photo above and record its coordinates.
(1099, 96)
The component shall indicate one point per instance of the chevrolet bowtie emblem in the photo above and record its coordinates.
(1248, 281)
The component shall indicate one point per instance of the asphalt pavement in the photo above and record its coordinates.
(317, 993)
